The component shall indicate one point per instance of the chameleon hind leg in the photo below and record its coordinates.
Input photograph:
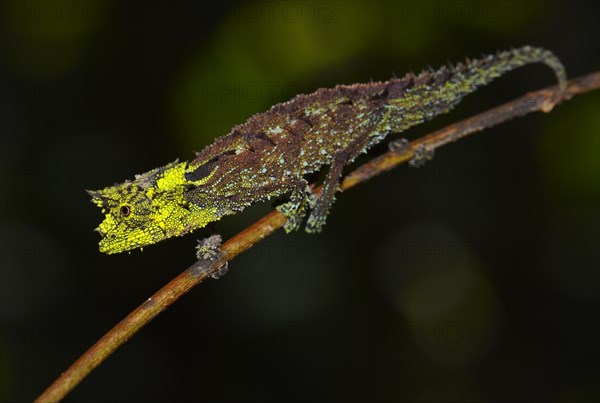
(331, 185)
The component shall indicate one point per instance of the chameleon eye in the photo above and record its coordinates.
(125, 211)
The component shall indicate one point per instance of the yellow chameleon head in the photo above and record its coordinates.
(147, 210)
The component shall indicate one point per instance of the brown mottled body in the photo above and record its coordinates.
(270, 153)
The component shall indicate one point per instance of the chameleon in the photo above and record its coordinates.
(270, 154)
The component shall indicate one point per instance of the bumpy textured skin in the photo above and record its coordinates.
(269, 155)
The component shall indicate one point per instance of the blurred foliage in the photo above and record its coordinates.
(55, 34)
(261, 51)
(7, 373)
(496, 238)
(257, 55)
(432, 278)
(571, 163)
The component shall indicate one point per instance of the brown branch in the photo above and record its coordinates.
(542, 100)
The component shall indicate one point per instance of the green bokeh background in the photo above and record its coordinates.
(475, 277)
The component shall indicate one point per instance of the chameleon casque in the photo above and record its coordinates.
(269, 155)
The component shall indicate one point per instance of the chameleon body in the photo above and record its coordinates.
(269, 155)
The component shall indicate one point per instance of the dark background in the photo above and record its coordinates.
(473, 278)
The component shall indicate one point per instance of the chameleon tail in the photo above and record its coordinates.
(482, 71)
(416, 98)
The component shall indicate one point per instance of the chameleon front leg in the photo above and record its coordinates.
(295, 210)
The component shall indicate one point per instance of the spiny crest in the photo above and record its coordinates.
(484, 69)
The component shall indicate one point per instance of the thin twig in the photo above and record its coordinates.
(542, 100)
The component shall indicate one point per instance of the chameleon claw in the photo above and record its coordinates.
(422, 155)
(221, 272)
(398, 146)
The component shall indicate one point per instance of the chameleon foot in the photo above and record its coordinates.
(207, 251)
(315, 223)
(398, 146)
(422, 155)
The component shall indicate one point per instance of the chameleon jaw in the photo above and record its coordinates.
(112, 243)
(116, 239)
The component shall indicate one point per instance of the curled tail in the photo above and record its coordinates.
(482, 71)
(415, 98)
